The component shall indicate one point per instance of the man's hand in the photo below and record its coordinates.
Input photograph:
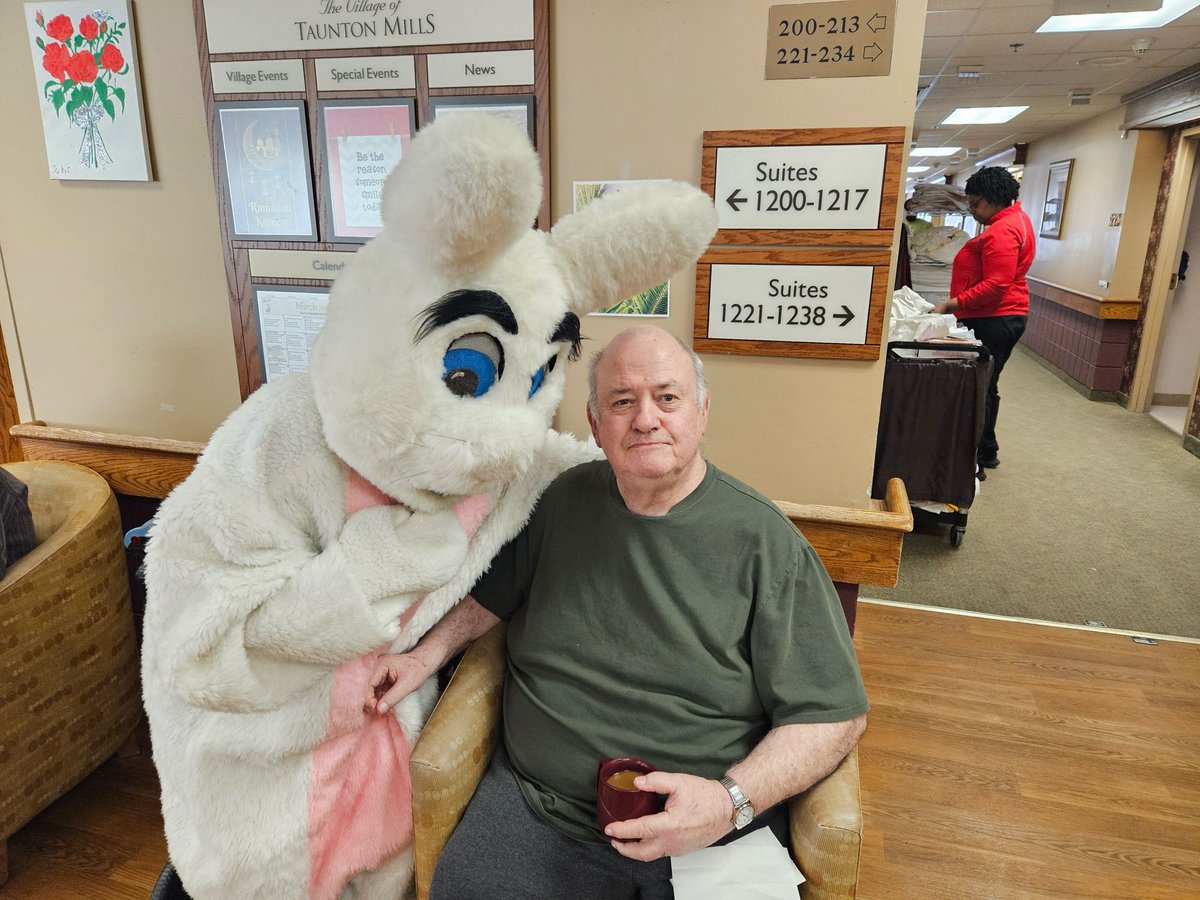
(698, 812)
(396, 676)
(948, 307)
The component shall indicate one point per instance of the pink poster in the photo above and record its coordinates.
(364, 139)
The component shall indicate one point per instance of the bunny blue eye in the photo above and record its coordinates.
(472, 364)
(540, 375)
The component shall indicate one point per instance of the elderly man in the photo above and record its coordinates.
(657, 608)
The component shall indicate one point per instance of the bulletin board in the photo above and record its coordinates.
(309, 106)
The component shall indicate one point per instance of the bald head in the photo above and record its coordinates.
(646, 338)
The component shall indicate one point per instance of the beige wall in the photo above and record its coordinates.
(117, 289)
(118, 294)
(1113, 172)
(634, 85)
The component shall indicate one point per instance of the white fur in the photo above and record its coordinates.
(260, 586)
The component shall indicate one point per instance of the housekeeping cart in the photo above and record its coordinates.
(931, 418)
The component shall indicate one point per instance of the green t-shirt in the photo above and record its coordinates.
(681, 639)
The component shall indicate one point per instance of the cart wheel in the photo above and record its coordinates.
(956, 536)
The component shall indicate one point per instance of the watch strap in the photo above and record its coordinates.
(740, 802)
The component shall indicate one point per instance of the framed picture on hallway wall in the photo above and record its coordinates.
(86, 69)
(1058, 182)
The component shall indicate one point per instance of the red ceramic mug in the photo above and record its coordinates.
(616, 797)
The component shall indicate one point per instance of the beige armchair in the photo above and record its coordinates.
(69, 693)
(450, 757)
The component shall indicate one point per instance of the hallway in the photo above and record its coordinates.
(1091, 516)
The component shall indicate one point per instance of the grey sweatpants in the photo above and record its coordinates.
(501, 850)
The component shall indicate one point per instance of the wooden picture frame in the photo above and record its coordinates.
(377, 132)
(266, 170)
(519, 108)
(1058, 183)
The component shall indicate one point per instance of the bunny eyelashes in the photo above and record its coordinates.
(474, 362)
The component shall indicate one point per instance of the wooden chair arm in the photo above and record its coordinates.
(826, 830)
(453, 750)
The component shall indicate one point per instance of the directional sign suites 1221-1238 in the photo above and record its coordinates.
(790, 303)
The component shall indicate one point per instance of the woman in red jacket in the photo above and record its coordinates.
(988, 293)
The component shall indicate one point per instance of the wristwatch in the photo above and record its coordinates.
(743, 809)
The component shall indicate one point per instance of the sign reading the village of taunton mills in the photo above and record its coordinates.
(252, 26)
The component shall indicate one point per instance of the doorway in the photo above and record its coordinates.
(1177, 362)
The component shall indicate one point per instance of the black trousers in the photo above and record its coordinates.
(1000, 335)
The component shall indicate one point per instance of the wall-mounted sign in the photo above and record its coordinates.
(249, 26)
(821, 188)
(831, 40)
(310, 264)
(497, 67)
(791, 302)
(804, 186)
(366, 73)
(258, 76)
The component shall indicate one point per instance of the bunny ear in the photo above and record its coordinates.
(469, 186)
(625, 242)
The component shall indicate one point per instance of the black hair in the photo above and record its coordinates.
(994, 184)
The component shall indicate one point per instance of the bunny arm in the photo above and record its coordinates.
(261, 585)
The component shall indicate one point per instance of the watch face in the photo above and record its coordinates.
(744, 815)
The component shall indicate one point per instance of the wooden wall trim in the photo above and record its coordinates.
(1088, 304)
(139, 466)
(858, 546)
(1167, 102)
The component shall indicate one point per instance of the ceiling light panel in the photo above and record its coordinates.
(914, 170)
(1171, 10)
(984, 115)
(933, 151)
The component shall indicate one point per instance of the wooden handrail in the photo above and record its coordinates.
(131, 464)
(857, 546)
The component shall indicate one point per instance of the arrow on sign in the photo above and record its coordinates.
(882, 23)
(867, 52)
(735, 198)
(847, 315)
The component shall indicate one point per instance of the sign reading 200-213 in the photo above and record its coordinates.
(831, 40)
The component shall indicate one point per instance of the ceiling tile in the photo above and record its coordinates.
(950, 24)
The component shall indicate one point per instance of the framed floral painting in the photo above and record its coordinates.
(85, 67)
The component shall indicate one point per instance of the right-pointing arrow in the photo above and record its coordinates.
(867, 52)
(847, 315)
(735, 198)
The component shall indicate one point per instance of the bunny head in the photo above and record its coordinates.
(443, 355)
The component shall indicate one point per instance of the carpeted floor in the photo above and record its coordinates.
(1093, 514)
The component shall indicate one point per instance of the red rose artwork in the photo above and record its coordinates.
(111, 58)
(55, 61)
(85, 65)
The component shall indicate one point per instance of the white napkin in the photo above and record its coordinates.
(753, 867)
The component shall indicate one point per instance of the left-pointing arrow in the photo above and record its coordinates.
(847, 315)
(877, 23)
(735, 198)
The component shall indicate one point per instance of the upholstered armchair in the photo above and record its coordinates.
(69, 693)
(453, 751)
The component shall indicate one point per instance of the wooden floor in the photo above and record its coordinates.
(1009, 760)
(1002, 760)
